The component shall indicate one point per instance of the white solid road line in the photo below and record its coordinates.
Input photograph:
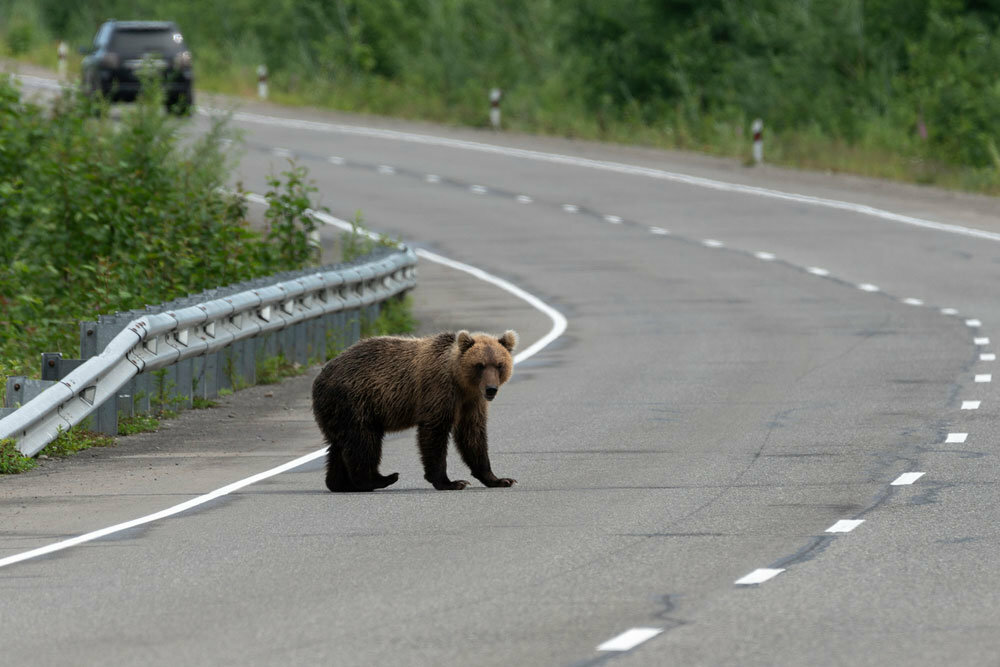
(759, 576)
(163, 514)
(907, 478)
(629, 639)
(558, 327)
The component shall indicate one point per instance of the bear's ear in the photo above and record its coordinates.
(464, 340)
(509, 340)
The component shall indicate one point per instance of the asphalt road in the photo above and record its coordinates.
(741, 372)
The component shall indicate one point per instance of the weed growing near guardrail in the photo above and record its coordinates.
(137, 424)
(395, 316)
(73, 440)
(11, 460)
(359, 241)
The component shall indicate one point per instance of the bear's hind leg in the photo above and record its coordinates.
(337, 479)
(362, 454)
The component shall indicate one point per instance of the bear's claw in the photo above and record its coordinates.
(456, 485)
(503, 481)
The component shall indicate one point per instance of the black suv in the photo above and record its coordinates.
(112, 66)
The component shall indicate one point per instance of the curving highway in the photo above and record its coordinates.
(767, 436)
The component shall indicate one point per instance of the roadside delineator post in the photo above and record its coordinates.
(262, 82)
(495, 96)
(758, 141)
(62, 51)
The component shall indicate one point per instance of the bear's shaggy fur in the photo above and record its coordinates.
(440, 384)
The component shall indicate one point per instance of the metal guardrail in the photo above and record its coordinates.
(159, 340)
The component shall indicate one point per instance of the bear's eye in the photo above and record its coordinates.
(480, 367)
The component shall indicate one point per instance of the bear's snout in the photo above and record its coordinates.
(491, 393)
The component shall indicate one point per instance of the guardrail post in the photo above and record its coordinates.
(106, 415)
(22, 389)
(185, 369)
(141, 386)
(88, 339)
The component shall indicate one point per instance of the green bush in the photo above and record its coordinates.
(97, 217)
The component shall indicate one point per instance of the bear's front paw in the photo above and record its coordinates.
(503, 481)
(456, 485)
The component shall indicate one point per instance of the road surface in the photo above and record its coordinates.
(754, 358)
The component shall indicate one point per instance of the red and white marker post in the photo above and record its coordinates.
(262, 82)
(495, 96)
(758, 141)
(62, 51)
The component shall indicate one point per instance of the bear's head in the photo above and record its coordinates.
(484, 361)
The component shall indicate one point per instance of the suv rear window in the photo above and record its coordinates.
(135, 43)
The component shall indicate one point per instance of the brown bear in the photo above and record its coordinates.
(440, 384)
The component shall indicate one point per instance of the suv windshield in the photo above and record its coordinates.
(133, 43)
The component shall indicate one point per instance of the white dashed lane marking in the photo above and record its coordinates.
(712, 243)
(987, 356)
(337, 160)
(570, 208)
(524, 199)
(949, 311)
(766, 256)
(910, 301)
(984, 377)
(386, 170)
(868, 287)
(478, 189)
(432, 178)
(981, 341)
(613, 219)
(629, 639)
(759, 576)
(970, 405)
(907, 478)
(956, 438)
(973, 323)
(845, 525)
(817, 271)
(658, 230)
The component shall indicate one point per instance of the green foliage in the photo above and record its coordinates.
(11, 460)
(359, 241)
(395, 316)
(274, 369)
(137, 424)
(290, 227)
(73, 440)
(889, 87)
(99, 216)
